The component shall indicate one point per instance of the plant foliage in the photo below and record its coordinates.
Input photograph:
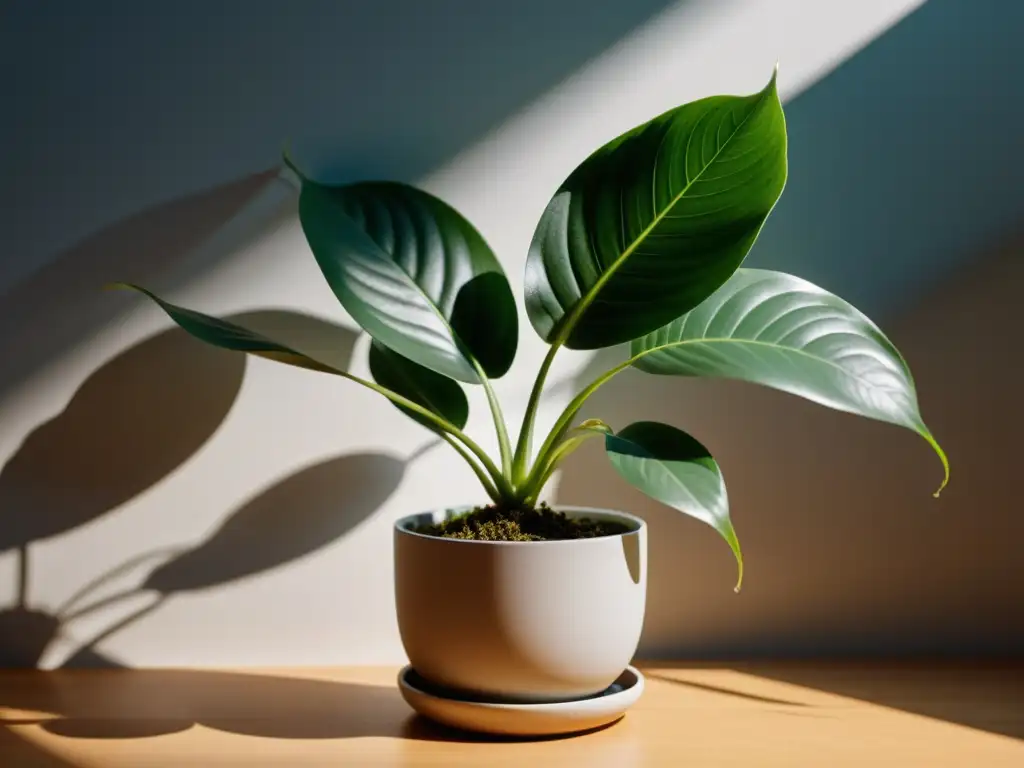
(642, 243)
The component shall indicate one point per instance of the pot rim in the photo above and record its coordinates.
(638, 523)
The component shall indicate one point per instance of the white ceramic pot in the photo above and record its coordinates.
(521, 621)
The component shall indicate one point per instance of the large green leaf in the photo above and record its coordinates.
(784, 332)
(672, 467)
(414, 274)
(653, 222)
(438, 394)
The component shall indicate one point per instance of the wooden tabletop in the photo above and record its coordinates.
(750, 715)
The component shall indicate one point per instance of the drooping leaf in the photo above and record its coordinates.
(653, 222)
(306, 350)
(672, 467)
(238, 338)
(783, 332)
(414, 274)
(435, 392)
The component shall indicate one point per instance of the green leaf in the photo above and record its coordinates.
(438, 394)
(783, 332)
(672, 467)
(414, 274)
(311, 353)
(311, 349)
(653, 222)
(239, 338)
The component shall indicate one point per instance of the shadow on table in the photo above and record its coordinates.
(732, 692)
(988, 696)
(21, 753)
(133, 704)
(985, 695)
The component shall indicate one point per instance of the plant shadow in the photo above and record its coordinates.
(131, 423)
(98, 454)
(141, 703)
(62, 301)
(295, 517)
(987, 696)
(148, 704)
(18, 752)
(721, 690)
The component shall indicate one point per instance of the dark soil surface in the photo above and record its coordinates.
(539, 524)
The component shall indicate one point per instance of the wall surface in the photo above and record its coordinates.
(164, 504)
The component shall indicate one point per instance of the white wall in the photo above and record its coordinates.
(162, 442)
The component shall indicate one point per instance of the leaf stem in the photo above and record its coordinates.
(524, 445)
(537, 481)
(446, 426)
(504, 445)
(564, 421)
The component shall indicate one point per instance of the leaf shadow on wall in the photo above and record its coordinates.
(130, 424)
(296, 517)
(98, 454)
(61, 302)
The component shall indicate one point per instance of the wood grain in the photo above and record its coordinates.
(763, 715)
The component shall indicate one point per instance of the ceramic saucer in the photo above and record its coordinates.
(548, 719)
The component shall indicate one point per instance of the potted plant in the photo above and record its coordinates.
(641, 244)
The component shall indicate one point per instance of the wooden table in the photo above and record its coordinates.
(750, 715)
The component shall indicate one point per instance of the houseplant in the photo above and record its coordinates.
(641, 244)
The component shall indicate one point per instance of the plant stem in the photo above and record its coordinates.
(542, 472)
(564, 421)
(23, 575)
(504, 445)
(446, 426)
(522, 457)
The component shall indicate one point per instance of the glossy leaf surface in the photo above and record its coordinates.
(783, 332)
(414, 274)
(438, 394)
(653, 222)
(672, 467)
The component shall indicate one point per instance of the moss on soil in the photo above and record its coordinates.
(535, 524)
